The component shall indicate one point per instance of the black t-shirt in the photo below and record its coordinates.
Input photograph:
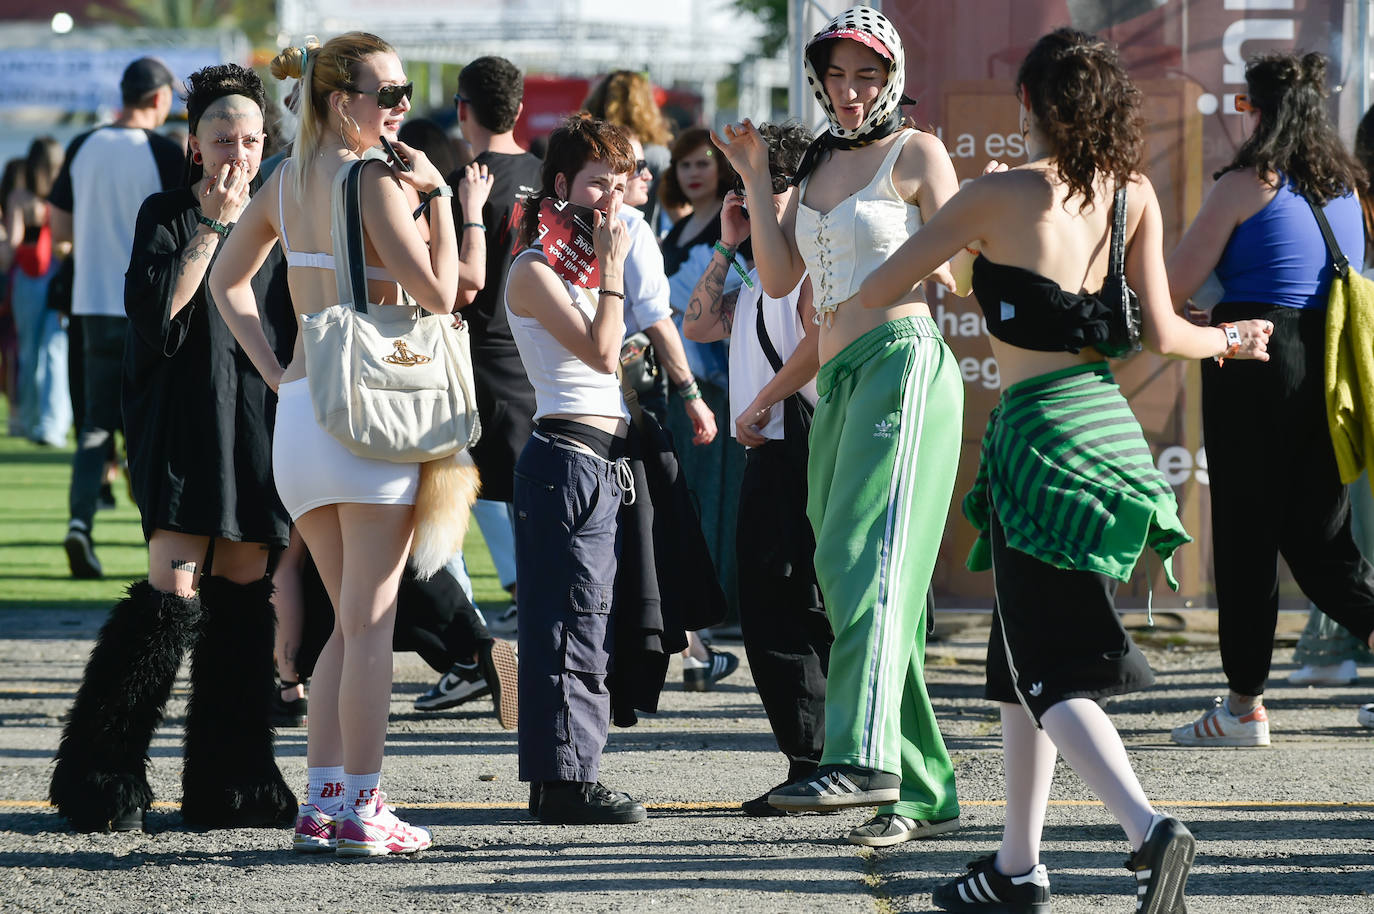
(513, 179)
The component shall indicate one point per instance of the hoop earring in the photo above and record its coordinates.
(343, 134)
(195, 157)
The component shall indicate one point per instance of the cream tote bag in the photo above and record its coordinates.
(390, 382)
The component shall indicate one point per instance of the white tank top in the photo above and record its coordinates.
(750, 370)
(841, 247)
(563, 383)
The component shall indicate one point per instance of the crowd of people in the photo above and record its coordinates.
(757, 279)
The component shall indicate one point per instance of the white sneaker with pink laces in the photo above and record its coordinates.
(374, 831)
(315, 830)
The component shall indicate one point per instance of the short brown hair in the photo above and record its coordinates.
(578, 140)
(689, 141)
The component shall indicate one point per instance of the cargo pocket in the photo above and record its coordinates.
(587, 635)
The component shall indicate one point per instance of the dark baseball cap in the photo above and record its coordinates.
(144, 75)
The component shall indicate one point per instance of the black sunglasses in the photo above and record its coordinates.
(390, 96)
(780, 183)
(459, 99)
(641, 166)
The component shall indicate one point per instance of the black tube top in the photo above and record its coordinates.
(1026, 310)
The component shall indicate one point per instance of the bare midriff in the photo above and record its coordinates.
(613, 425)
(852, 321)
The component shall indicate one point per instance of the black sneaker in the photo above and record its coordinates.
(839, 787)
(759, 807)
(577, 803)
(81, 552)
(1161, 866)
(700, 675)
(984, 889)
(463, 682)
(106, 500)
(287, 712)
(889, 828)
(501, 672)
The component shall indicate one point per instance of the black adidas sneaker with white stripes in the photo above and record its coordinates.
(839, 787)
(1161, 866)
(985, 890)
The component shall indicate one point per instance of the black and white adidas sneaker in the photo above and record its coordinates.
(1161, 866)
(839, 787)
(985, 890)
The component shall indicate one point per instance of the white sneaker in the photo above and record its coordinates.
(1366, 716)
(375, 831)
(1219, 727)
(1331, 674)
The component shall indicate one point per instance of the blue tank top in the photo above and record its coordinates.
(1277, 256)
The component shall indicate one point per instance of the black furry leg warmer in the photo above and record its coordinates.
(101, 778)
(230, 778)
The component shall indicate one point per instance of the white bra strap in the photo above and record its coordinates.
(281, 212)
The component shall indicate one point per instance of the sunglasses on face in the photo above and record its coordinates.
(390, 96)
(780, 183)
(1243, 104)
(641, 166)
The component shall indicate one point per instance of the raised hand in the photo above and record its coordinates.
(423, 175)
(226, 195)
(747, 152)
(610, 238)
(474, 189)
(734, 221)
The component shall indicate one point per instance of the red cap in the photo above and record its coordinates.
(863, 38)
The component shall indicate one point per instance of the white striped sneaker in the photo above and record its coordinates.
(1219, 727)
(888, 828)
(984, 889)
(1161, 866)
(839, 787)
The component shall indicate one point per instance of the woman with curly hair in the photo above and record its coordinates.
(1067, 495)
(198, 421)
(626, 98)
(1258, 231)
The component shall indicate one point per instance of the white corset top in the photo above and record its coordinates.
(842, 246)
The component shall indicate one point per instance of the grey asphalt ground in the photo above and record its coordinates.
(1284, 829)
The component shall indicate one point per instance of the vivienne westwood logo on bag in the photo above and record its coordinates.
(403, 356)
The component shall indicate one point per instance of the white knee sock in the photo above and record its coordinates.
(325, 788)
(1088, 741)
(361, 789)
(1028, 756)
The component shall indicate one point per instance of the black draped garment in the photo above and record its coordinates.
(197, 415)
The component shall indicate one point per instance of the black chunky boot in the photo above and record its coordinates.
(101, 779)
(230, 778)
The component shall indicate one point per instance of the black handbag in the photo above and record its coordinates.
(1123, 307)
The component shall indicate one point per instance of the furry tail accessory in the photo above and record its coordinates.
(230, 778)
(100, 782)
(448, 487)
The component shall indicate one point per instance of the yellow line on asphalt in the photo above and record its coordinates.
(734, 807)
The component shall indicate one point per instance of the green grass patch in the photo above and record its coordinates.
(33, 520)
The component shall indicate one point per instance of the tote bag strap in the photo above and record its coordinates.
(1339, 262)
(346, 231)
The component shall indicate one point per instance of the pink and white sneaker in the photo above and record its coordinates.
(374, 831)
(315, 830)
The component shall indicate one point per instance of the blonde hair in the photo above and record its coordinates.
(322, 69)
(626, 98)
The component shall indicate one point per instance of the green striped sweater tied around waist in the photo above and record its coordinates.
(1066, 467)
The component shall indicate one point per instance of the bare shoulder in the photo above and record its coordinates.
(921, 150)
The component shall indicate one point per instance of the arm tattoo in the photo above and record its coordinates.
(197, 249)
(183, 565)
(724, 308)
(706, 294)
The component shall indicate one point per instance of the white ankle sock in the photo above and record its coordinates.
(325, 788)
(361, 789)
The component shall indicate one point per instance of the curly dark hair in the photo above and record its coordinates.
(689, 141)
(578, 140)
(1086, 106)
(786, 145)
(493, 86)
(1364, 154)
(1294, 137)
(210, 84)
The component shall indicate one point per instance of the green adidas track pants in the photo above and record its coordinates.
(884, 450)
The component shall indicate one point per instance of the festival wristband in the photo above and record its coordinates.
(443, 190)
(477, 225)
(724, 250)
(612, 293)
(218, 227)
(1232, 342)
(689, 390)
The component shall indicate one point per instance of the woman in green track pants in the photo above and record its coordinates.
(886, 435)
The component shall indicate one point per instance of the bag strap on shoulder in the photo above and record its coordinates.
(1339, 262)
(764, 341)
(346, 231)
(1117, 265)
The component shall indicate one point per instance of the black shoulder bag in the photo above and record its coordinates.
(1123, 308)
(796, 412)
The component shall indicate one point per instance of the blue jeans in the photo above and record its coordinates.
(567, 546)
(102, 345)
(496, 519)
(45, 407)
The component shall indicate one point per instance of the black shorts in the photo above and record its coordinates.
(1056, 634)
